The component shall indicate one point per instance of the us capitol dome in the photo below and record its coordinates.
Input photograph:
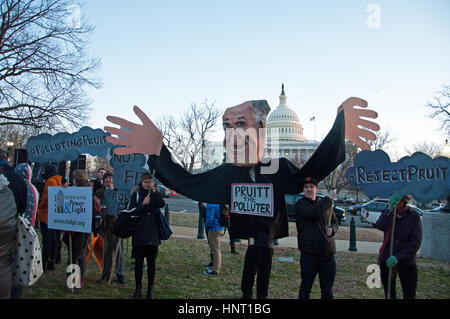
(285, 134)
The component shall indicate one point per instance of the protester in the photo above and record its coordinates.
(24, 170)
(407, 240)
(215, 234)
(16, 183)
(8, 234)
(146, 202)
(78, 242)
(202, 212)
(49, 236)
(98, 182)
(315, 240)
(111, 243)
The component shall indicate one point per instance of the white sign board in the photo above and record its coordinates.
(252, 199)
(70, 208)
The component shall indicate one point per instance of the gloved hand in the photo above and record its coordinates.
(395, 198)
(391, 261)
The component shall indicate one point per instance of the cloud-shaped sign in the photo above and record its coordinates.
(67, 147)
(424, 178)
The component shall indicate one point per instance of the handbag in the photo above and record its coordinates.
(164, 228)
(27, 267)
(125, 224)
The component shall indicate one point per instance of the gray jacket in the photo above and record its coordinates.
(8, 226)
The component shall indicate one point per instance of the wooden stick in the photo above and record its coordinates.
(333, 184)
(391, 250)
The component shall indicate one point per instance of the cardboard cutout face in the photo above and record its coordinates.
(244, 135)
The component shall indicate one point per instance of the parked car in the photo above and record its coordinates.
(292, 199)
(165, 192)
(371, 213)
(372, 210)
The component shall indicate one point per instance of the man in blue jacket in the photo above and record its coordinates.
(215, 234)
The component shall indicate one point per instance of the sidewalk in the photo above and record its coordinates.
(364, 247)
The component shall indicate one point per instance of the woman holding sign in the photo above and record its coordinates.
(146, 202)
(79, 240)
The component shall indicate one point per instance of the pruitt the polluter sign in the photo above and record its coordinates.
(70, 208)
(252, 199)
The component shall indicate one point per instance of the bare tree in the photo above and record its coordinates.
(427, 147)
(44, 67)
(186, 137)
(19, 135)
(383, 139)
(440, 109)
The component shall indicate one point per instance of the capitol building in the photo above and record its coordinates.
(285, 134)
(284, 137)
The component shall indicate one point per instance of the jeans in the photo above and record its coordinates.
(310, 266)
(408, 280)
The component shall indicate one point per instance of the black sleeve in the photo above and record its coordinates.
(329, 154)
(156, 200)
(212, 186)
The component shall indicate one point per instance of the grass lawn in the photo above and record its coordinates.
(180, 266)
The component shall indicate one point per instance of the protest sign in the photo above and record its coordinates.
(67, 147)
(70, 208)
(252, 199)
(419, 175)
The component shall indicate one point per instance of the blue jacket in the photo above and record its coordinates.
(212, 217)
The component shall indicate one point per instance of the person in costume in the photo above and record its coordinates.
(316, 239)
(146, 201)
(407, 240)
(245, 123)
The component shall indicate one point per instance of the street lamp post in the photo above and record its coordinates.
(9, 147)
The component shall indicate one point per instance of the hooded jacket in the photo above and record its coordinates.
(42, 213)
(24, 171)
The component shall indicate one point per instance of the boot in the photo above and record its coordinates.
(104, 278)
(150, 292)
(137, 292)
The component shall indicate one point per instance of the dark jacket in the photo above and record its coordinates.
(146, 231)
(311, 218)
(407, 236)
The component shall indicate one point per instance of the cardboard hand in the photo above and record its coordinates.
(138, 139)
(357, 128)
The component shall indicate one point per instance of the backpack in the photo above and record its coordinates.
(224, 218)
